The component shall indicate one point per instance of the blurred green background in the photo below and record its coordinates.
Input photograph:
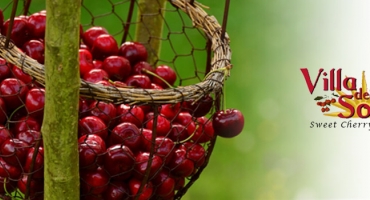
(270, 40)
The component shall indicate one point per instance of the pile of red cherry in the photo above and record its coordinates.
(115, 141)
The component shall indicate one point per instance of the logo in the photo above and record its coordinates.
(344, 98)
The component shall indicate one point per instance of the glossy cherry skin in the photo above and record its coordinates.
(194, 152)
(3, 116)
(21, 75)
(116, 190)
(37, 23)
(92, 125)
(94, 182)
(26, 123)
(90, 154)
(91, 34)
(134, 186)
(38, 165)
(139, 81)
(163, 126)
(155, 86)
(13, 92)
(140, 68)
(117, 67)
(228, 123)
(164, 148)
(170, 111)
(9, 171)
(98, 64)
(164, 184)
(180, 165)
(29, 136)
(21, 31)
(119, 162)
(105, 111)
(34, 49)
(127, 134)
(96, 75)
(134, 52)
(93, 137)
(4, 134)
(201, 131)
(104, 46)
(35, 101)
(201, 107)
(178, 133)
(167, 73)
(4, 70)
(86, 61)
(14, 151)
(132, 114)
(141, 164)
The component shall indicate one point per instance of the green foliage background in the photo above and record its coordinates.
(268, 160)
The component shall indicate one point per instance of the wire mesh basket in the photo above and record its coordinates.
(145, 105)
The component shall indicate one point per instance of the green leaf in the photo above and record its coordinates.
(318, 98)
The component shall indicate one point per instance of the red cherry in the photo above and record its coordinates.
(29, 136)
(7, 184)
(178, 133)
(194, 152)
(132, 114)
(164, 148)
(201, 107)
(19, 74)
(155, 86)
(170, 111)
(98, 64)
(104, 46)
(3, 116)
(134, 52)
(105, 83)
(228, 123)
(116, 191)
(180, 182)
(36, 187)
(140, 67)
(14, 151)
(21, 31)
(91, 34)
(93, 137)
(180, 165)
(117, 67)
(92, 125)
(94, 182)
(163, 126)
(146, 135)
(4, 134)
(34, 49)
(119, 162)
(141, 164)
(90, 154)
(86, 62)
(26, 123)
(105, 111)
(201, 131)
(38, 164)
(4, 69)
(13, 92)
(127, 134)
(164, 184)
(165, 72)
(35, 101)
(96, 75)
(83, 107)
(139, 81)
(37, 23)
(9, 171)
(147, 191)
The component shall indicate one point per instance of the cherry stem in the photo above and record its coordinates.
(188, 138)
(156, 75)
(11, 115)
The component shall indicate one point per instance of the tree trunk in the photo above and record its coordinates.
(62, 80)
(149, 32)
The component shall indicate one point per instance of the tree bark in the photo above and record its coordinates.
(149, 32)
(62, 80)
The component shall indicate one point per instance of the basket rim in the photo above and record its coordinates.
(213, 82)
